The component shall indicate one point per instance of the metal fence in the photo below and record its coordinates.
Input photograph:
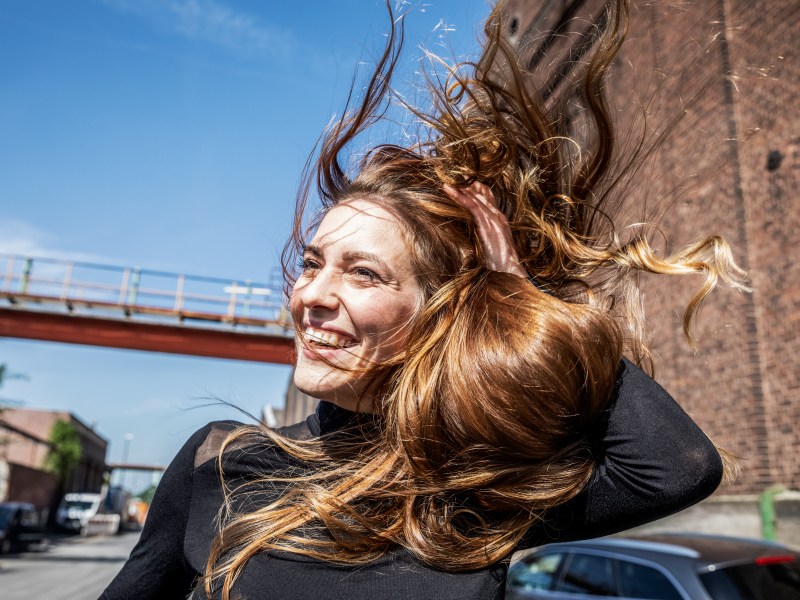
(132, 292)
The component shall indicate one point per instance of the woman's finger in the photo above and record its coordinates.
(493, 228)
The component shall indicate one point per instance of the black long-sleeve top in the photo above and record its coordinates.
(653, 461)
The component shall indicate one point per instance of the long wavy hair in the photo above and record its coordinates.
(484, 421)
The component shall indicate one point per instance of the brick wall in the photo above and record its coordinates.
(729, 167)
(30, 450)
(28, 445)
(31, 485)
(764, 42)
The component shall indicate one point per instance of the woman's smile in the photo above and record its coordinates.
(322, 344)
(326, 338)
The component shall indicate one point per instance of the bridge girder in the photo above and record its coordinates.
(151, 337)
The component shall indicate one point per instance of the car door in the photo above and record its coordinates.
(588, 575)
(30, 529)
(534, 576)
(648, 581)
(576, 574)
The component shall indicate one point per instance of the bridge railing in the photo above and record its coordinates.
(136, 293)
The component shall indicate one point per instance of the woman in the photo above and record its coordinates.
(461, 310)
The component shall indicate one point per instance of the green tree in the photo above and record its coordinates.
(6, 375)
(65, 450)
(3, 377)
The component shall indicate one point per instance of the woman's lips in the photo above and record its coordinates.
(323, 342)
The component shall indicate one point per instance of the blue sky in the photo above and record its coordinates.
(170, 134)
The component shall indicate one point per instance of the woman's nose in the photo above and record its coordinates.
(321, 291)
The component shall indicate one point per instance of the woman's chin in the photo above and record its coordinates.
(333, 374)
(324, 382)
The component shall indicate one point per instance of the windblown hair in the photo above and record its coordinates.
(484, 421)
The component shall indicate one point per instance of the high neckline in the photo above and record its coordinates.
(329, 418)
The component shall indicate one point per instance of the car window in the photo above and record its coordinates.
(645, 583)
(536, 574)
(29, 519)
(78, 504)
(754, 582)
(6, 512)
(589, 574)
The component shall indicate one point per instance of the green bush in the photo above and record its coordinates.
(65, 450)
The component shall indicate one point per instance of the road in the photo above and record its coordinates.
(72, 569)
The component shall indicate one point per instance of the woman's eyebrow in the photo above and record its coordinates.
(352, 255)
(311, 249)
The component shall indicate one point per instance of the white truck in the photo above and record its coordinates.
(75, 510)
(94, 514)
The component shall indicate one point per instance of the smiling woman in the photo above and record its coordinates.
(462, 309)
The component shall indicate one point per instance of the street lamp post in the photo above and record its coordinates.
(126, 446)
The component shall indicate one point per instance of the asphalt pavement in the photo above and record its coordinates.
(70, 569)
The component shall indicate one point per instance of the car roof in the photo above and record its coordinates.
(23, 505)
(716, 549)
(704, 550)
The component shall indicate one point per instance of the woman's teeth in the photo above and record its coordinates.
(327, 338)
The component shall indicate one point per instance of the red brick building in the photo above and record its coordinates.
(25, 434)
(731, 166)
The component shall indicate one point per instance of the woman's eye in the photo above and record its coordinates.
(307, 264)
(366, 274)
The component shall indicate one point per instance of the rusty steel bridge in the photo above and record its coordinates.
(140, 309)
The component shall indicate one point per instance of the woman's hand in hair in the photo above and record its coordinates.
(493, 228)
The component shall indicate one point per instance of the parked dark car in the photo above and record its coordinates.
(20, 527)
(657, 567)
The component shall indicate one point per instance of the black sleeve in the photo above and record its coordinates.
(156, 568)
(652, 461)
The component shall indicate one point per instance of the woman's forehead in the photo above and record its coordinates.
(361, 223)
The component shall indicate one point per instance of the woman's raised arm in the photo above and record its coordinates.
(652, 459)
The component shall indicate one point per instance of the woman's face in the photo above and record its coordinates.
(353, 302)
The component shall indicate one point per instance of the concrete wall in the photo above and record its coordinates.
(735, 516)
(787, 518)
